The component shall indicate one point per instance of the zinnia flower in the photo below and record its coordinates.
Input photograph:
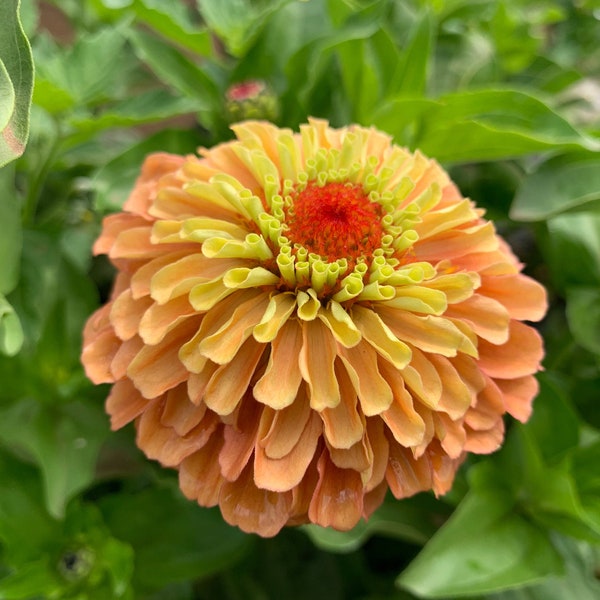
(302, 321)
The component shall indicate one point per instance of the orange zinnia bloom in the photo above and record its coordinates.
(301, 321)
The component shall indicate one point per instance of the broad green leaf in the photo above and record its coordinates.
(11, 332)
(64, 444)
(583, 314)
(16, 82)
(149, 107)
(494, 124)
(238, 22)
(11, 239)
(414, 520)
(484, 547)
(186, 542)
(178, 71)
(573, 249)
(562, 183)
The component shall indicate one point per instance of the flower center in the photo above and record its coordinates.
(336, 220)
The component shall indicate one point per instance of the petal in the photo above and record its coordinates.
(485, 442)
(254, 510)
(405, 423)
(520, 356)
(518, 395)
(316, 362)
(124, 403)
(126, 313)
(97, 356)
(380, 446)
(423, 379)
(487, 409)
(179, 413)
(278, 387)
(200, 476)
(231, 381)
(124, 355)
(338, 498)
(282, 474)
(373, 391)
(344, 426)
(159, 319)
(457, 396)
(140, 280)
(156, 369)
(487, 317)
(406, 475)
(451, 434)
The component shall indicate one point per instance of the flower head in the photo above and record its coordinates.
(302, 321)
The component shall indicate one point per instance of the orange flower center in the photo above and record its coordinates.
(335, 221)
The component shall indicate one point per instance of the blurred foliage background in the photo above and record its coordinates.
(504, 93)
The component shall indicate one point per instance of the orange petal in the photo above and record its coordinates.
(157, 369)
(485, 442)
(231, 381)
(338, 498)
(518, 395)
(406, 475)
(524, 298)
(487, 409)
(124, 355)
(423, 379)
(443, 468)
(179, 413)
(197, 382)
(113, 226)
(254, 510)
(126, 313)
(344, 426)
(200, 476)
(282, 474)
(520, 356)
(359, 458)
(159, 319)
(456, 394)
(316, 362)
(124, 403)
(98, 354)
(487, 317)
(239, 441)
(373, 391)
(406, 425)
(140, 280)
(451, 434)
(278, 387)
(285, 427)
(380, 446)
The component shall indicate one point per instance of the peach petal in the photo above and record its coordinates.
(278, 387)
(446, 218)
(469, 372)
(374, 499)
(193, 200)
(487, 409)
(338, 498)
(254, 510)
(124, 355)
(405, 423)
(200, 476)
(423, 380)
(343, 424)
(358, 457)
(282, 474)
(124, 403)
(428, 333)
(285, 427)
(225, 343)
(316, 362)
(374, 393)
(451, 434)
(179, 413)
(456, 395)
(443, 468)
(520, 356)
(156, 369)
(112, 227)
(126, 314)
(231, 381)
(458, 242)
(134, 243)
(162, 443)
(140, 280)
(198, 382)
(524, 298)
(518, 395)
(487, 317)
(98, 354)
(406, 475)
(487, 441)
(380, 448)
(457, 287)
(239, 440)
(159, 319)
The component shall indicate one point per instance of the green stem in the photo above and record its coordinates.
(35, 190)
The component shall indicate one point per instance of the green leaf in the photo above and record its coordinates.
(562, 183)
(11, 332)
(186, 541)
(11, 240)
(64, 443)
(583, 314)
(16, 82)
(484, 547)
(494, 124)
